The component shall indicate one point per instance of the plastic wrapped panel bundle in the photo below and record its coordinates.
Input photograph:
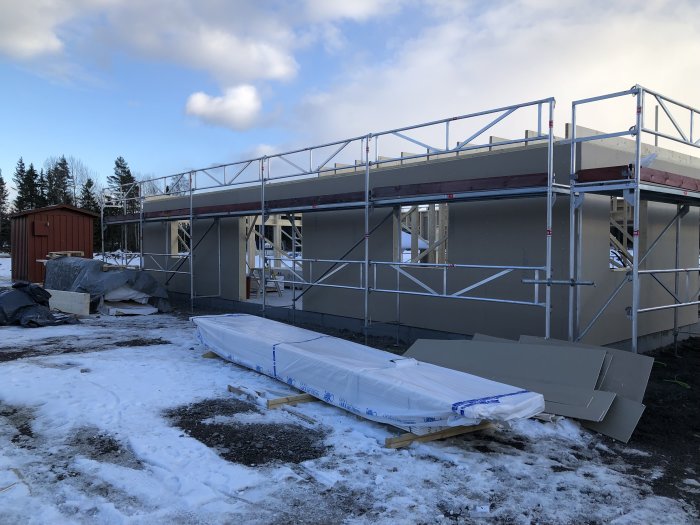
(371, 383)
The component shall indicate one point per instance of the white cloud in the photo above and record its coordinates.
(320, 10)
(24, 35)
(462, 56)
(31, 29)
(237, 108)
(205, 40)
(235, 40)
(510, 52)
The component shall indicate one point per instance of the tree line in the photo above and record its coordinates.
(68, 181)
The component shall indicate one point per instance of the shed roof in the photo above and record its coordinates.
(66, 207)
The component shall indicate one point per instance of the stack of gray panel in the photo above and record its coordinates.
(601, 387)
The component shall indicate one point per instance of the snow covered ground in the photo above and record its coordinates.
(86, 437)
(121, 420)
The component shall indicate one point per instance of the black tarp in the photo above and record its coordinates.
(27, 304)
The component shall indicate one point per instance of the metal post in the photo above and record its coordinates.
(262, 231)
(550, 204)
(218, 241)
(191, 246)
(656, 125)
(572, 225)
(366, 265)
(294, 266)
(635, 233)
(125, 230)
(398, 257)
(676, 276)
(102, 225)
(141, 200)
(579, 263)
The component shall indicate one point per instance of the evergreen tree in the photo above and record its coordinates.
(125, 201)
(27, 189)
(88, 201)
(58, 182)
(123, 183)
(18, 179)
(41, 190)
(35, 196)
(4, 218)
(65, 181)
(88, 197)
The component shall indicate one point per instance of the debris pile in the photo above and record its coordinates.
(107, 283)
(27, 305)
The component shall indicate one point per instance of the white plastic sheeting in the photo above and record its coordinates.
(377, 385)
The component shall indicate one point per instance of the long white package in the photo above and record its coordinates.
(377, 385)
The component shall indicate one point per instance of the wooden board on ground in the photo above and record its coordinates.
(281, 402)
(70, 302)
(290, 400)
(405, 440)
(251, 395)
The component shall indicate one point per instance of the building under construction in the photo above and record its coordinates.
(444, 226)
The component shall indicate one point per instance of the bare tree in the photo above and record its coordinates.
(149, 185)
(80, 173)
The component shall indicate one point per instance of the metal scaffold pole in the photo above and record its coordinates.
(635, 230)
(218, 253)
(102, 225)
(191, 246)
(125, 228)
(292, 219)
(572, 225)
(550, 205)
(676, 275)
(366, 261)
(262, 234)
(141, 199)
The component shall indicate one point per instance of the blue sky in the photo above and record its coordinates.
(178, 85)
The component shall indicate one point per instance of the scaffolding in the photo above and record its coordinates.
(303, 164)
(634, 183)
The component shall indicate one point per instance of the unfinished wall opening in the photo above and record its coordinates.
(424, 233)
(273, 257)
(621, 234)
(179, 237)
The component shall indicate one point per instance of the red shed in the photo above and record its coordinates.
(35, 233)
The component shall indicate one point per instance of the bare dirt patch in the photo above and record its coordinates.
(60, 346)
(669, 431)
(100, 446)
(142, 342)
(247, 443)
(19, 422)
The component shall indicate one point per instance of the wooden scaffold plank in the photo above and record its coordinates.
(405, 440)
